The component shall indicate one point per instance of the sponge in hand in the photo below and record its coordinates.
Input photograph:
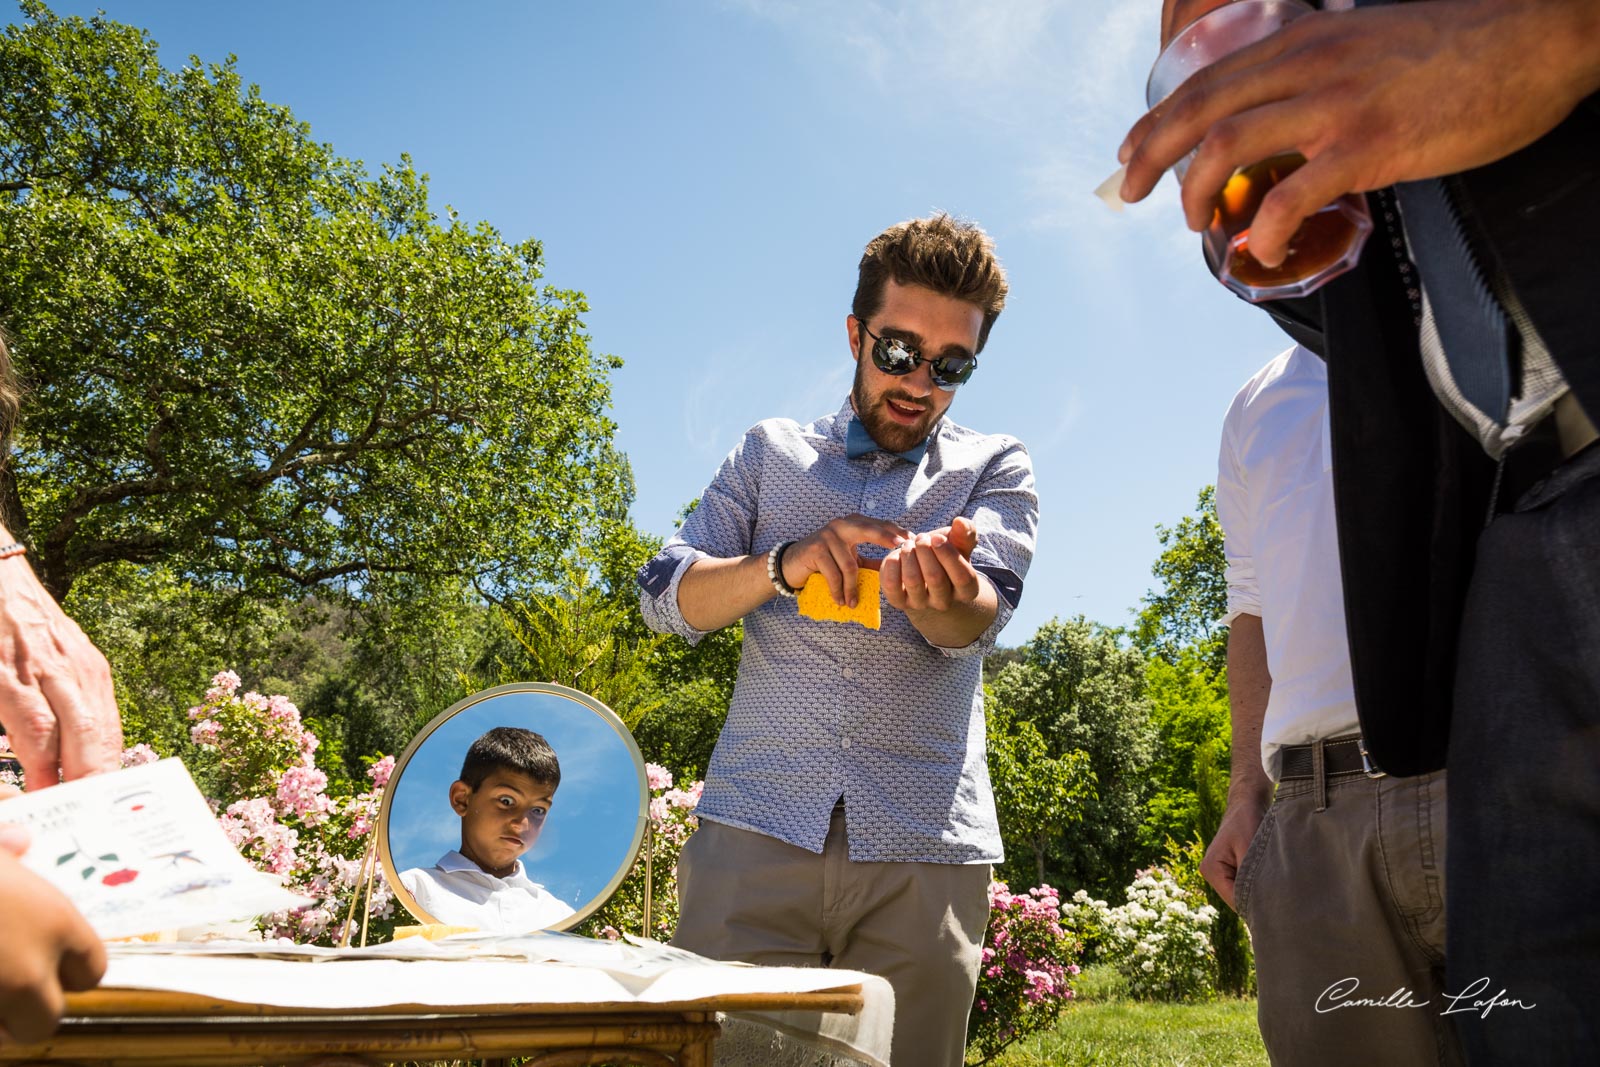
(816, 602)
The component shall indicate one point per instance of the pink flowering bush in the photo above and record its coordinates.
(258, 761)
(672, 820)
(1025, 975)
(10, 772)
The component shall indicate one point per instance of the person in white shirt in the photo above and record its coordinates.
(1339, 874)
(508, 782)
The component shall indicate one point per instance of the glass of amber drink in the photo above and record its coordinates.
(1328, 243)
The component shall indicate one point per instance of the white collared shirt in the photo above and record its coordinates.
(457, 892)
(1275, 503)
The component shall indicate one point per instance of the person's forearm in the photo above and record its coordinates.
(1574, 36)
(960, 624)
(714, 593)
(1249, 686)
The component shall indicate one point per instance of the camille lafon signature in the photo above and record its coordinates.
(1342, 994)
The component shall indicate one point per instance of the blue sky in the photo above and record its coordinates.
(707, 172)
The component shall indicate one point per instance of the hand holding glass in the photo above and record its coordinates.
(1328, 243)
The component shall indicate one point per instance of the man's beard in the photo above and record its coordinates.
(891, 436)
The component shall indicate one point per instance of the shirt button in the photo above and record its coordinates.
(848, 672)
(845, 743)
(869, 503)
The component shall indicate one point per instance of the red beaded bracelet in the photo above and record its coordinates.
(15, 548)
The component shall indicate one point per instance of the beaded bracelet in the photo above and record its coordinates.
(775, 570)
(15, 548)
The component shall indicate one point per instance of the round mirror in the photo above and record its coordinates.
(520, 808)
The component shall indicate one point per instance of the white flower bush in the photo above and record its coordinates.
(1159, 940)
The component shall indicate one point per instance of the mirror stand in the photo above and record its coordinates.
(363, 891)
(649, 868)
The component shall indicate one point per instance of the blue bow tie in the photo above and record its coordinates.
(858, 442)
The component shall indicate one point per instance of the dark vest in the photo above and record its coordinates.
(1411, 488)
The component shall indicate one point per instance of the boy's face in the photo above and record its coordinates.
(501, 819)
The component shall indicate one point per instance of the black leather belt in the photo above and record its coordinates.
(1347, 755)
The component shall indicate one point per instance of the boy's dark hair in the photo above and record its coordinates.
(511, 748)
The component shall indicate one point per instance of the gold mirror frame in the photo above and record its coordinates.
(391, 872)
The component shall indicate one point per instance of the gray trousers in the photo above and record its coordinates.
(749, 897)
(1343, 892)
(1525, 780)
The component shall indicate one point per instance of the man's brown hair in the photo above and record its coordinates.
(948, 255)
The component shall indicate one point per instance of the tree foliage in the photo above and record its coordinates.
(1188, 689)
(252, 361)
(1083, 690)
(1039, 797)
(1185, 611)
(1189, 710)
(579, 637)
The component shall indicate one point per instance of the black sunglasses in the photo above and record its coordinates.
(894, 356)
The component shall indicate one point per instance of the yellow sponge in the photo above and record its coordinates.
(816, 602)
(432, 931)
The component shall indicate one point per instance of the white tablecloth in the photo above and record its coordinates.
(340, 982)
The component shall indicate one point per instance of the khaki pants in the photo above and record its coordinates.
(749, 897)
(1345, 907)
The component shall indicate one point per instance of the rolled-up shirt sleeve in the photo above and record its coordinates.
(1004, 507)
(720, 526)
(1233, 513)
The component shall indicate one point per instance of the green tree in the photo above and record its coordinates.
(1189, 710)
(695, 684)
(1187, 675)
(1039, 797)
(1082, 689)
(1186, 610)
(255, 363)
(581, 637)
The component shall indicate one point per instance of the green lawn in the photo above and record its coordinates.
(1127, 1033)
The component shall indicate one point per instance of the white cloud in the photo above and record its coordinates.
(1065, 77)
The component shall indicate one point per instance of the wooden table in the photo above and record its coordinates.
(139, 1028)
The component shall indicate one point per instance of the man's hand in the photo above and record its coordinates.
(1370, 97)
(933, 571)
(48, 948)
(831, 552)
(1226, 851)
(56, 699)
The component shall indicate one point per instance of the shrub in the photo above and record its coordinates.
(1028, 963)
(1159, 940)
(257, 763)
(672, 820)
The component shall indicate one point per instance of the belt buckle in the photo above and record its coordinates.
(1370, 769)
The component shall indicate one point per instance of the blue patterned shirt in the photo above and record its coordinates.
(824, 710)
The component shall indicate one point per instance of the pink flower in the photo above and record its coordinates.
(206, 733)
(138, 755)
(380, 771)
(364, 809)
(300, 791)
(279, 709)
(682, 798)
(223, 685)
(253, 828)
(5, 743)
(660, 778)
